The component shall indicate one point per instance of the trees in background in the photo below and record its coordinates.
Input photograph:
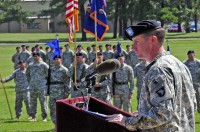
(11, 10)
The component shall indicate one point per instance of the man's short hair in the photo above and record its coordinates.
(190, 51)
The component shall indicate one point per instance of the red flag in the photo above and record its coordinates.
(72, 17)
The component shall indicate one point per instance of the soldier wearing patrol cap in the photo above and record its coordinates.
(80, 50)
(15, 58)
(24, 54)
(77, 85)
(36, 75)
(92, 55)
(193, 65)
(139, 73)
(167, 96)
(67, 56)
(108, 54)
(100, 83)
(59, 85)
(21, 88)
(121, 79)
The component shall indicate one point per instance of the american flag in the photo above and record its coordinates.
(72, 17)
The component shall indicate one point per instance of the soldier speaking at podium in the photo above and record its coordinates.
(166, 102)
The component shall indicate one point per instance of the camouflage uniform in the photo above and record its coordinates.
(131, 59)
(21, 89)
(92, 56)
(139, 73)
(166, 100)
(108, 55)
(15, 60)
(84, 54)
(36, 75)
(194, 68)
(49, 59)
(80, 73)
(59, 88)
(42, 55)
(24, 55)
(102, 92)
(123, 76)
(67, 58)
(31, 60)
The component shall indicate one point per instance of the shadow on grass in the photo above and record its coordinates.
(15, 121)
(175, 34)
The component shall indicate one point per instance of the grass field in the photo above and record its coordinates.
(178, 48)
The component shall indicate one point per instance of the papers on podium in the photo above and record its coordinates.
(96, 113)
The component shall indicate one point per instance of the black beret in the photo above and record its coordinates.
(61, 47)
(36, 45)
(56, 56)
(66, 45)
(88, 48)
(79, 46)
(144, 26)
(119, 55)
(79, 54)
(21, 61)
(93, 45)
(17, 47)
(100, 45)
(127, 46)
(36, 53)
(23, 45)
(114, 46)
(190, 51)
(99, 54)
(108, 45)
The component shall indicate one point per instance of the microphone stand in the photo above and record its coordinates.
(88, 89)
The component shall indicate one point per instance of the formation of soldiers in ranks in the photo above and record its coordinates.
(32, 70)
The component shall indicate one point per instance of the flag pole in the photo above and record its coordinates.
(74, 49)
(6, 98)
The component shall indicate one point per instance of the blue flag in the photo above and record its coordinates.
(54, 44)
(119, 49)
(96, 7)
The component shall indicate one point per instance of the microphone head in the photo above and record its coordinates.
(108, 66)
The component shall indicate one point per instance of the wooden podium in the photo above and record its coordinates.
(73, 119)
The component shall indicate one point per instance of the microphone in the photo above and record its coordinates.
(108, 66)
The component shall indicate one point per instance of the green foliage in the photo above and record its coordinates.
(168, 16)
(10, 10)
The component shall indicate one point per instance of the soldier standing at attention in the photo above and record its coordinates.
(36, 74)
(108, 54)
(24, 55)
(15, 58)
(193, 65)
(167, 96)
(41, 52)
(67, 56)
(121, 78)
(21, 88)
(132, 59)
(80, 50)
(139, 73)
(59, 85)
(100, 83)
(49, 59)
(92, 54)
(81, 68)
(100, 49)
